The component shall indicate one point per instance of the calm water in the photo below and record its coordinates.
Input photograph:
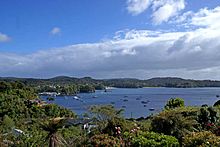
(157, 98)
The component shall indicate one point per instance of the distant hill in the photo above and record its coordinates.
(181, 83)
(120, 83)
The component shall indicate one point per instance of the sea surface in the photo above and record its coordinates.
(131, 100)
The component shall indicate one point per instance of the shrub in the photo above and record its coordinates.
(202, 139)
(207, 116)
(217, 103)
(7, 123)
(174, 103)
(104, 140)
(150, 139)
(176, 122)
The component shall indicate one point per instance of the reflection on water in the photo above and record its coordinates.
(138, 102)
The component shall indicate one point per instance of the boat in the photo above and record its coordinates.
(76, 97)
(138, 98)
(113, 103)
(125, 100)
(95, 96)
(123, 106)
(145, 102)
(145, 105)
(217, 95)
(125, 96)
(151, 109)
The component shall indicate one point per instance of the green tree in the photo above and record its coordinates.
(7, 123)
(53, 126)
(107, 118)
(174, 122)
(174, 103)
(217, 103)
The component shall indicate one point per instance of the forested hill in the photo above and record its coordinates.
(120, 83)
(181, 83)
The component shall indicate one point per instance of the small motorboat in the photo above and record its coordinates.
(125, 100)
(95, 96)
(151, 109)
(76, 97)
(145, 102)
(123, 106)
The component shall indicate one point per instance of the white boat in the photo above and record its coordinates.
(76, 97)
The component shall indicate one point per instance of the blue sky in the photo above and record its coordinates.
(115, 31)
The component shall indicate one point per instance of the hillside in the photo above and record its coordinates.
(120, 83)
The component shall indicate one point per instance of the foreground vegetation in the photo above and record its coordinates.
(25, 120)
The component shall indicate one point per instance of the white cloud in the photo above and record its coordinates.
(162, 10)
(203, 18)
(55, 31)
(136, 7)
(131, 53)
(166, 9)
(4, 37)
(206, 17)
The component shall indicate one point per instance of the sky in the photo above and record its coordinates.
(110, 39)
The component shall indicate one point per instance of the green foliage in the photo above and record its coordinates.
(15, 99)
(4, 86)
(50, 99)
(150, 139)
(145, 125)
(176, 122)
(202, 139)
(107, 118)
(104, 140)
(52, 127)
(7, 123)
(206, 116)
(52, 110)
(217, 103)
(174, 103)
(86, 88)
(73, 135)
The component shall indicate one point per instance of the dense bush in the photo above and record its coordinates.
(203, 139)
(206, 116)
(150, 139)
(174, 103)
(107, 118)
(104, 140)
(174, 122)
(217, 103)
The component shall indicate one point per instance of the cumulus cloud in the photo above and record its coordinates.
(130, 53)
(55, 31)
(203, 18)
(162, 10)
(136, 7)
(4, 37)
(165, 9)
